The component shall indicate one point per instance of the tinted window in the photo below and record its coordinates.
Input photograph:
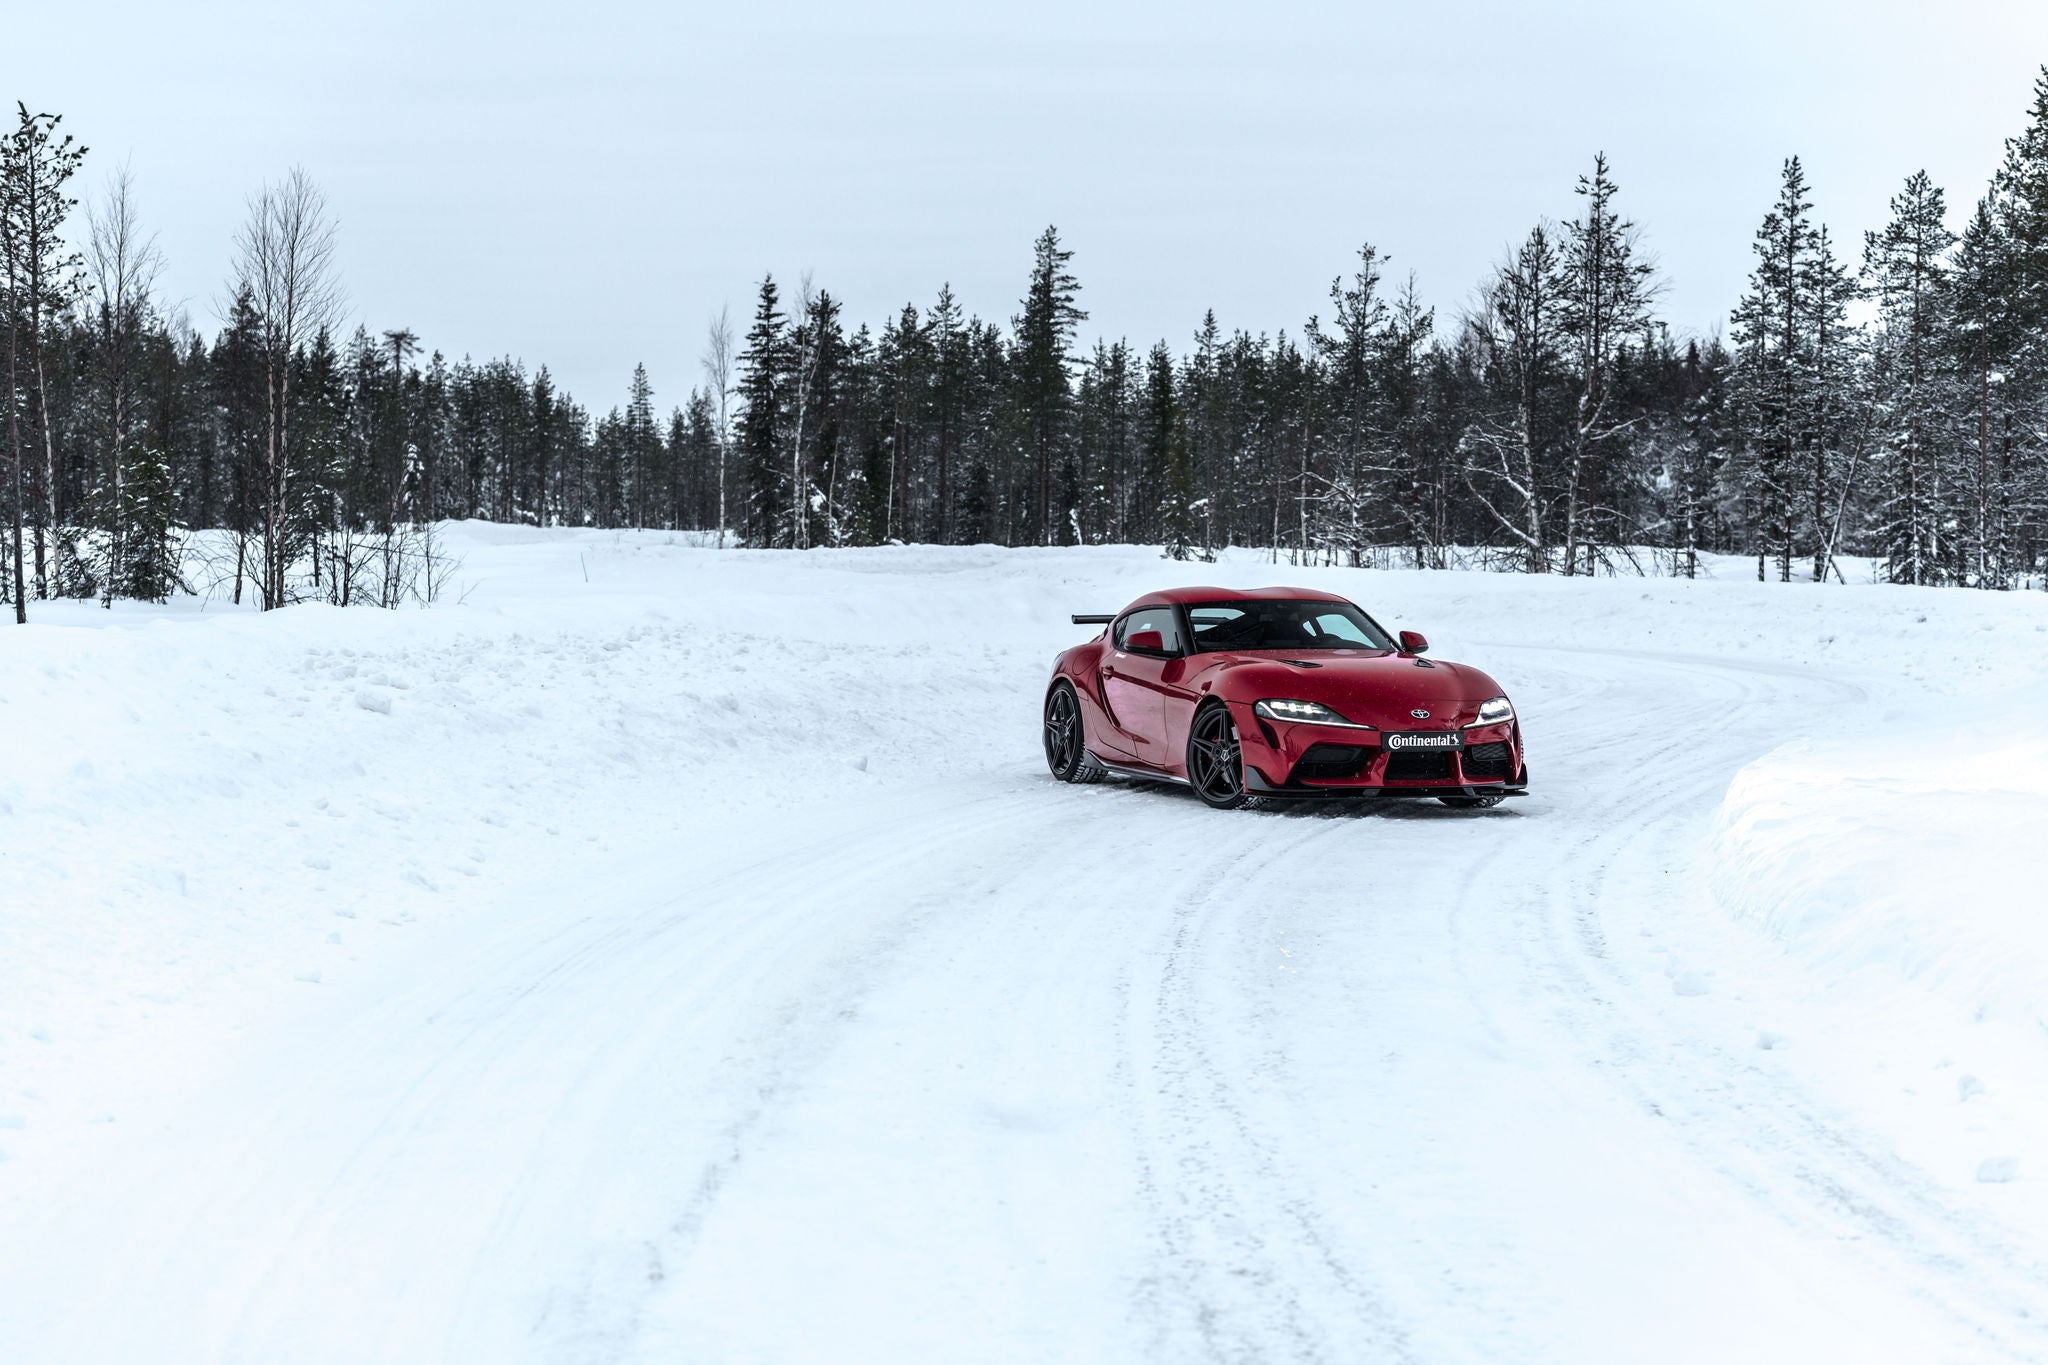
(1290, 625)
(1161, 619)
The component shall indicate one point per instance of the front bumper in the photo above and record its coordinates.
(1299, 758)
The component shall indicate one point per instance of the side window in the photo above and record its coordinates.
(1217, 625)
(1161, 619)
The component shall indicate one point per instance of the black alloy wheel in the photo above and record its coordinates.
(1064, 753)
(1215, 764)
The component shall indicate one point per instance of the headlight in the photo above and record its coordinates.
(1297, 710)
(1495, 712)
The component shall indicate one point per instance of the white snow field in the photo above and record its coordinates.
(670, 955)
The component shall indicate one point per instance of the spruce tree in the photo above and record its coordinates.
(949, 344)
(546, 458)
(643, 449)
(904, 383)
(1905, 269)
(815, 474)
(1604, 296)
(1700, 453)
(1348, 350)
(1517, 346)
(1418, 471)
(42, 281)
(1833, 398)
(1045, 330)
(1979, 342)
(1166, 451)
(1771, 330)
(2021, 199)
(123, 269)
(763, 362)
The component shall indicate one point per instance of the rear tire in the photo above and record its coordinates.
(1066, 750)
(1215, 763)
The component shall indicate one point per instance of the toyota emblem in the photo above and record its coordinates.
(1420, 715)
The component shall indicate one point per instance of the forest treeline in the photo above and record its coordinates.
(1887, 399)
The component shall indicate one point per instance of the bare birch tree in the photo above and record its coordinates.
(806, 357)
(285, 263)
(718, 374)
(123, 266)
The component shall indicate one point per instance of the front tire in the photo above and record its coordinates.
(1065, 752)
(1215, 763)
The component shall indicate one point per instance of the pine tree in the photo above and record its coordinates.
(1699, 462)
(949, 342)
(1832, 418)
(238, 404)
(1044, 330)
(1166, 451)
(1978, 342)
(124, 267)
(904, 363)
(1419, 471)
(1905, 269)
(762, 376)
(1604, 300)
(1105, 425)
(1518, 341)
(643, 448)
(1771, 328)
(1207, 409)
(42, 281)
(2020, 194)
(547, 439)
(1347, 354)
(149, 569)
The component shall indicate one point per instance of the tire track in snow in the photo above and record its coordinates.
(1721, 1102)
(1243, 1246)
(649, 1058)
(538, 1054)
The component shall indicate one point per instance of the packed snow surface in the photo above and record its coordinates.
(666, 954)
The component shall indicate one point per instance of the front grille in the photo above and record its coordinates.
(1331, 762)
(1410, 765)
(1488, 760)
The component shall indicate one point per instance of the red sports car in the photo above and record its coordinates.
(1277, 692)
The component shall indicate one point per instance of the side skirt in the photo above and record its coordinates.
(1141, 774)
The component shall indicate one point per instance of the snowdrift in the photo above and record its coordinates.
(1918, 848)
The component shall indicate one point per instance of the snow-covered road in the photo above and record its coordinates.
(871, 1043)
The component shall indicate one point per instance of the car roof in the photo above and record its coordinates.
(1182, 596)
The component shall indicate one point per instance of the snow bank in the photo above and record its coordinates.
(1914, 849)
(369, 893)
(211, 812)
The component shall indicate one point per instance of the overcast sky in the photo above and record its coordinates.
(583, 183)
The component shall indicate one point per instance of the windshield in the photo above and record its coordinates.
(1283, 625)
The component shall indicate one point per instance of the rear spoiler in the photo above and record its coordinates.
(1086, 619)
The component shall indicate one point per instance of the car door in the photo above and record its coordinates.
(1135, 683)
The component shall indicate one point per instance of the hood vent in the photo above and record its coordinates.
(1300, 663)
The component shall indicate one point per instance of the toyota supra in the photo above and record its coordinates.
(1272, 693)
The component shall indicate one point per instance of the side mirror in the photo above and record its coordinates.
(1146, 642)
(1414, 642)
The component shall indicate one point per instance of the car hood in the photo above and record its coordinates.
(1366, 687)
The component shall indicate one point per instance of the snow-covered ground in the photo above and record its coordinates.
(666, 954)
